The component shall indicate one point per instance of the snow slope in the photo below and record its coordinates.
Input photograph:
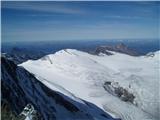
(81, 75)
(20, 89)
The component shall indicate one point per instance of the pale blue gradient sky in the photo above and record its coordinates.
(38, 21)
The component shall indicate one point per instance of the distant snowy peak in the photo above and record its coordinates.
(121, 48)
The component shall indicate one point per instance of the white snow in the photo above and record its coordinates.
(81, 75)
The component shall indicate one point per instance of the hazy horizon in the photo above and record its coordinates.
(53, 21)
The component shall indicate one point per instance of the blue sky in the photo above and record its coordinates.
(38, 21)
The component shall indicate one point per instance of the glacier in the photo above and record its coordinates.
(81, 76)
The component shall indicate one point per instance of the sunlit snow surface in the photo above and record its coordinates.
(81, 75)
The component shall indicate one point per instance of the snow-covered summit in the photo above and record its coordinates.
(81, 75)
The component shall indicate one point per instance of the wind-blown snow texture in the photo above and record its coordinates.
(19, 88)
(81, 75)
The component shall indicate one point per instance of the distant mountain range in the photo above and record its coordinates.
(19, 55)
(121, 48)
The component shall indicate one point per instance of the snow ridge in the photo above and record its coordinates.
(82, 76)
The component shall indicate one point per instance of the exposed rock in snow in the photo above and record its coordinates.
(29, 113)
(120, 92)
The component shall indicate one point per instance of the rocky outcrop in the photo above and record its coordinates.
(118, 91)
(121, 48)
(30, 113)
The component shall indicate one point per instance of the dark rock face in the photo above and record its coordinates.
(11, 91)
(7, 113)
(121, 48)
